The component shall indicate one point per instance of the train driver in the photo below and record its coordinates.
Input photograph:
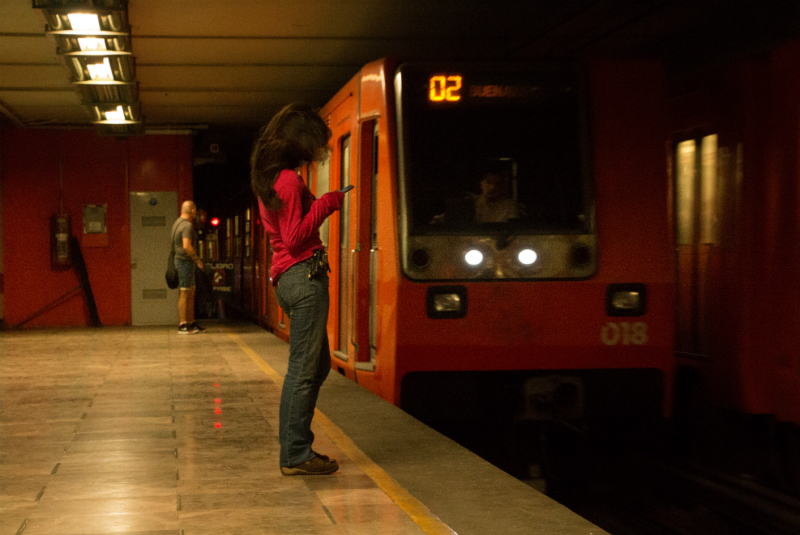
(494, 205)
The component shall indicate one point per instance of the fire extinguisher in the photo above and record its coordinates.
(60, 255)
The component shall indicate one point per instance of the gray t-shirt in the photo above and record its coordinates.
(183, 228)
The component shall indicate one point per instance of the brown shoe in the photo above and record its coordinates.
(323, 457)
(315, 467)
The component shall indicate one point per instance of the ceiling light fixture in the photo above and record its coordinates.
(92, 39)
(114, 114)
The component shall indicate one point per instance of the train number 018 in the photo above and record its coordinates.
(624, 333)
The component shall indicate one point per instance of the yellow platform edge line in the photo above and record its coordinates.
(416, 510)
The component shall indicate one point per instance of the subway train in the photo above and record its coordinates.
(506, 246)
(660, 202)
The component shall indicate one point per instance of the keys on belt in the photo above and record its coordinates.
(318, 264)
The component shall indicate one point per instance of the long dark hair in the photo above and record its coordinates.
(295, 135)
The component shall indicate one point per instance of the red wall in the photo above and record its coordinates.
(42, 168)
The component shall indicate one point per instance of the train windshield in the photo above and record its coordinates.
(488, 150)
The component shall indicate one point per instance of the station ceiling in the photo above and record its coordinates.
(234, 63)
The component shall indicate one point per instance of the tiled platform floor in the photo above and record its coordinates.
(140, 430)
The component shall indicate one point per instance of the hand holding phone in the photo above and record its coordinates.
(348, 188)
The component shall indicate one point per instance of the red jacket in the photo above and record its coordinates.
(294, 229)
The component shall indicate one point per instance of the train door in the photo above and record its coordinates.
(358, 253)
(366, 255)
(698, 198)
(342, 350)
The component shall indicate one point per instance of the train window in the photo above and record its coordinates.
(684, 181)
(211, 242)
(696, 196)
(229, 238)
(708, 170)
(324, 186)
(247, 224)
(344, 253)
(237, 238)
(509, 152)
(702, 173)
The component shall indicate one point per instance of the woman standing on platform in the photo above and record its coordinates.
(297, 135)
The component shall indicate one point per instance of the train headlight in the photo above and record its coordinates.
(527, 257)
(626, 299)
(473, 257)
(446, 302)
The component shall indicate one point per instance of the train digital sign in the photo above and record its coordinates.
(444, 88)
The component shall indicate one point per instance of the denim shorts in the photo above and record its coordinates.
(185, 269)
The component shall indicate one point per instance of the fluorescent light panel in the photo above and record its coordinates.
(84, 22)
(100, 71)
(115, 116)
(91, 44)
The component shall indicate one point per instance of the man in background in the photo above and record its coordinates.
(184, 239)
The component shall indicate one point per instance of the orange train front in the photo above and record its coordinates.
(507, 238)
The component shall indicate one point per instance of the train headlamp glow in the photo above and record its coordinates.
(626, 299)
(447, 302)
(473, 257)
(527, 257)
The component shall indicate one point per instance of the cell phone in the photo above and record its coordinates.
(348, 188)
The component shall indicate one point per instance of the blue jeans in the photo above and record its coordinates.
(306, 303)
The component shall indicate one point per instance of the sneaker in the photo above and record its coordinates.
(187, 328)
(197, 327)
(315, 467)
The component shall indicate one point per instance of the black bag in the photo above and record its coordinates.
(172, 273)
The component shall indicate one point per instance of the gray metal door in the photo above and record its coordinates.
(152, 216)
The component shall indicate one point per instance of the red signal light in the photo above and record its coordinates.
(214, 221)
